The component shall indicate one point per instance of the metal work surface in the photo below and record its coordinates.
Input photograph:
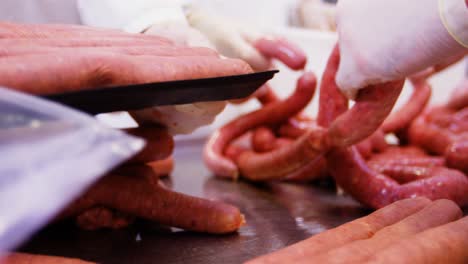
(277, 214)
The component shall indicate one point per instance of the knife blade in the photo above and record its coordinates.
(139, 96)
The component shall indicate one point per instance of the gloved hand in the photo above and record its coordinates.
(235, 40)
(180, 119)
(231, 40)
(180, 33)
(384, 40)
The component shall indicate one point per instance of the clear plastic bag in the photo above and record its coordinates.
(49, 154)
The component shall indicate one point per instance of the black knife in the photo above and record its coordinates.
(133, 97)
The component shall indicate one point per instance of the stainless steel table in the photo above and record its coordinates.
(278, 214)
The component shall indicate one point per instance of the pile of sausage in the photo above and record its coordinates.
(278, 142)
(46, 59)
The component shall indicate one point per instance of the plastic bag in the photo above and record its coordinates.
(49, 154)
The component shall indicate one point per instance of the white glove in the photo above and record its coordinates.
(230, 39)
(383, 40)
(180, 33)
(181, 119)
(235, 40)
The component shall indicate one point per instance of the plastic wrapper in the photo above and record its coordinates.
(49, 155)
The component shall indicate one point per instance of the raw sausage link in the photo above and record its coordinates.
(270, 114)
(52, 31)
(286, 52)
(24, 258)
(281, 162)
(135, 191)
(153, 50)
(159, 144)
(401, 119)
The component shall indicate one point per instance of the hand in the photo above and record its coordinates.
(408, 231)
(180, 33)
(234, 40)
(181, 119)
(382, 41)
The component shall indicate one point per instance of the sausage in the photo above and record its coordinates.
(365, 148)
(40, 31)
(404, 156)
(101, 41)
(162, 167)
(24, 258)
(234, 150)
(429, 136)
(154, 50)
(86, 70)
(377, 190)
(401, 119)
(283, 50)
(459, 98)
(373, 104)
(132, 191)
(374, 143)
(279, 163)
(314, 170)
(332, 102)
(159, 144)
(295, 127)
(101, 217)
(271, 114)
(409, 173)
(456, 156)
(263, 139)
(266, 95)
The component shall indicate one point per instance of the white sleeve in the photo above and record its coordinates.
(132, 16)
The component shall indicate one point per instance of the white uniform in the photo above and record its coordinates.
(136, 15)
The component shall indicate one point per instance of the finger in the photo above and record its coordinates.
(245, 51)
(159, 144)
(361, 228)
(435, 214)
(443, 244)
(282, 50)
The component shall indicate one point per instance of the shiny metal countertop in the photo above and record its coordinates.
(277, 214)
